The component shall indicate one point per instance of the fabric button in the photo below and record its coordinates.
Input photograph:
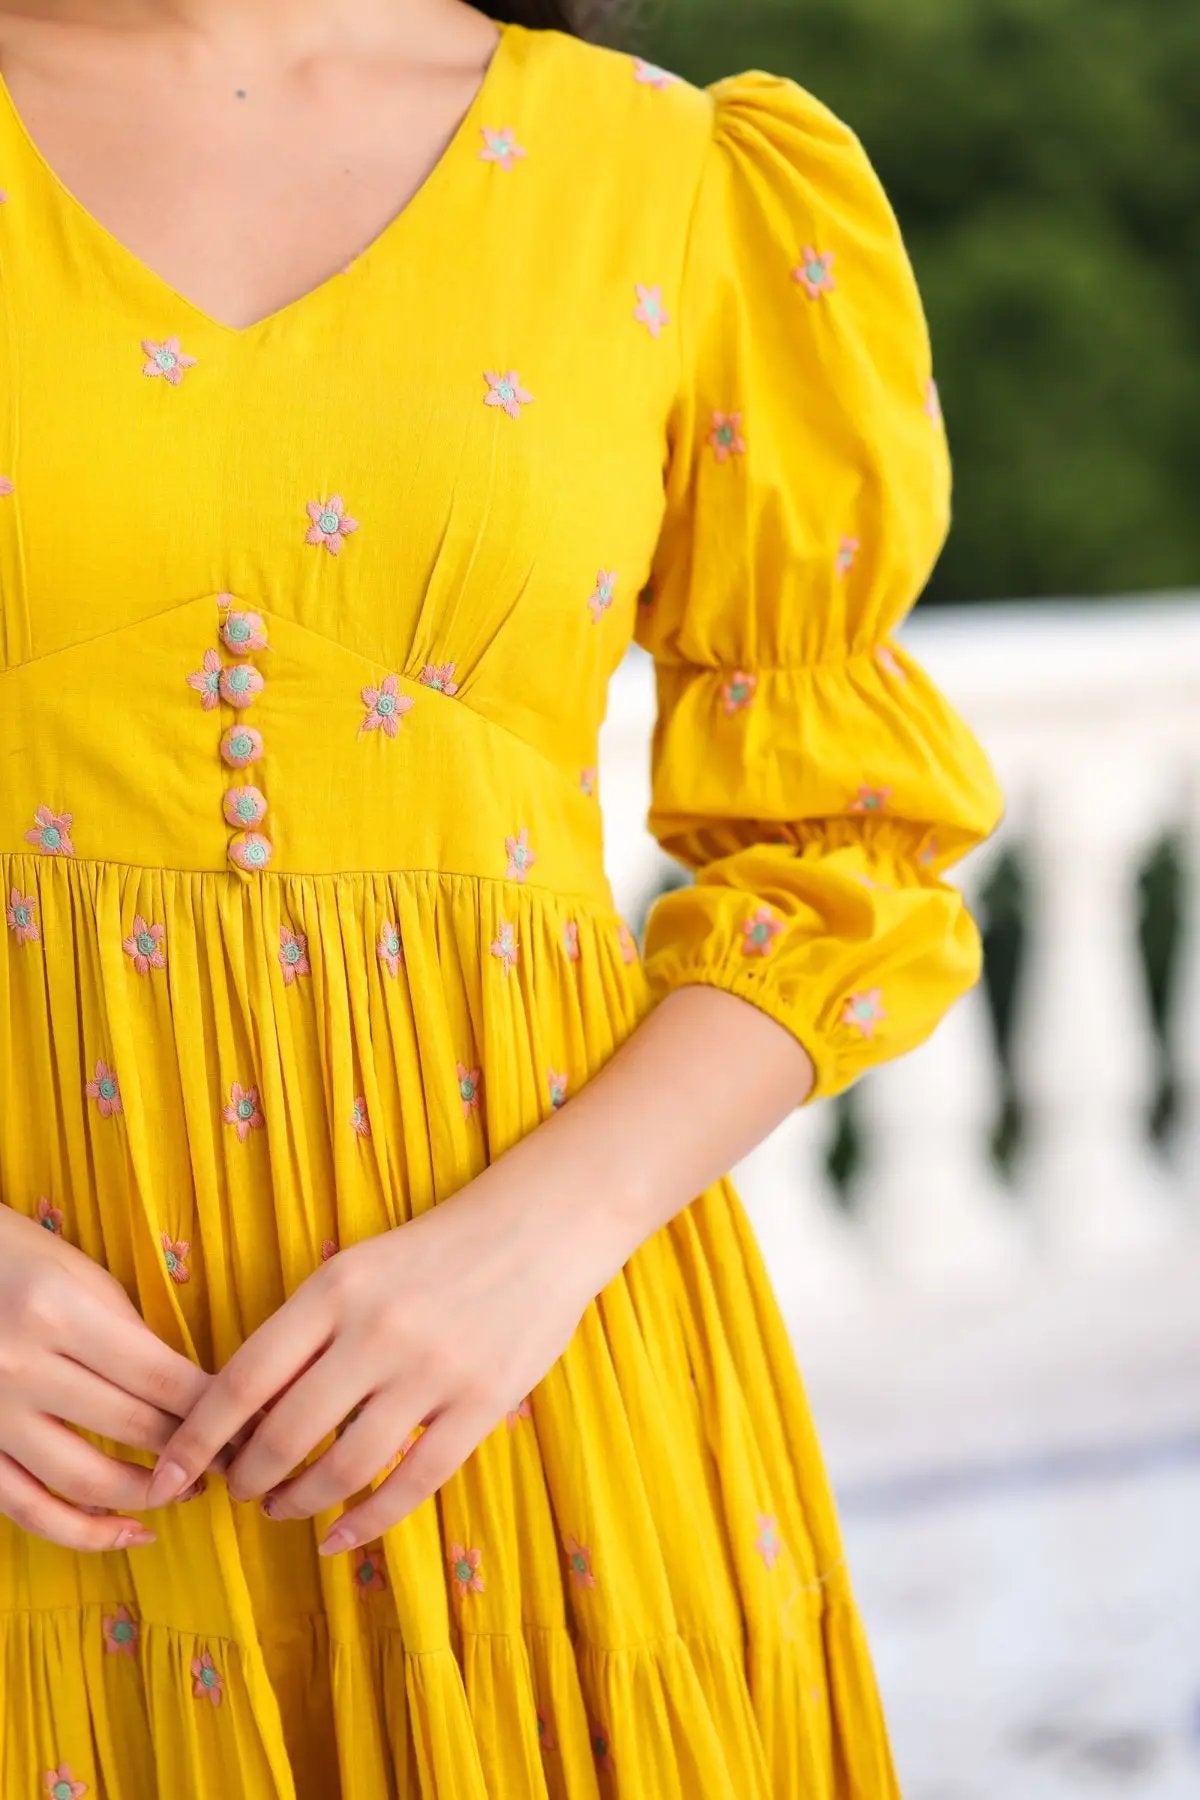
(240, 684)
(250, 850)
(242, 632)
(245, 806)
(240, 745)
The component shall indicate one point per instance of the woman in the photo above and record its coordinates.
(392, 1399)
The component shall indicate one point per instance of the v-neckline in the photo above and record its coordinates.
(418, 202)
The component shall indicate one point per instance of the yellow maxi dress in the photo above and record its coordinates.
(306, 631)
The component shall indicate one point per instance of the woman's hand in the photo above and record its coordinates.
(74, 1352)
(447, 1322)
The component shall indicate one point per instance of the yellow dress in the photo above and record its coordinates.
(306, 634)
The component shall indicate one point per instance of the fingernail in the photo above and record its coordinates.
(133, 1537)
(268, 1506)
(167, 1481)
(338, 1539)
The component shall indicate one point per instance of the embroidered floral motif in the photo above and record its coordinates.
(166, 359)
(386, 706)
(239, 684)
(651, 73)
(768, 1543)
(244, 806)
(847, 551)
(207, 1683)
(206, 680)
(242, 1111)
(601, 596)
(523, 1411)
(368, 1571)
(870, 799)
(469, 1083)
(587, 781)
(738, 691)
(358, 1117)
(557, 1081)
(439, 676)
(505, 390)
(7, 486)
(546, 1737)
(389, 949)
(293, 954)
(175, 1255)
(49, 1216)
(243, 632)
(933, 401)
(649, 309)
(144, 946)
(464, 1565)
(250, 850)
(52, 833)
(725, 435)
(505, 945)
(520, 857)
(500, 146)
(579, 1559)
(813, 273)
(760, 930)
(241, 745)
(600, 1748)
(886, 658)
(104, 1091)
(19, 913)
(626, 942)
(864, 1011)
(61, 1785)
(328, 1248)
(571, 939)
(120, 1633)
(331, 524)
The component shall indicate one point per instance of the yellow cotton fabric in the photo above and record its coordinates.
(575, 394)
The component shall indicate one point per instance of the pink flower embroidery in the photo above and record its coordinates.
(869, 799)
(768, 1543)
(738, 691)
(520, 857)
(386, 706)
(175, 1255)
(120, 1633)
(627, 942)
(7, 486)
(601, 596)
(439, 676)
(933, 401)
(649, 309)
(244, 806)
(52, 833)
(358, 1117)
(328, 1248)
(505, 390)
(847, 550)
(813, 273)
(389, 949)
(558, 1087)
(241, 745)
(759, 931)
(250, 850)
(505, 945)
(293, 954)
(49, 1216)
(864, 1011)
(579, 1559)
(206, 680)
(166, 359)
(242, 1111)
(368, 1570)
(587, 781)
(651, 73)
(500, 146)
(600, 1748)
(104, 1091)
(238, 685)
(469, 1081)
(331, 524)
(725, 435)
(464, 1565)
(242, 632)
(546, 1737)
(145, 946)
(19, 913)
(61, 1785)
(523, 1411)
(571, 939)
(206, 1683)
(886, 658)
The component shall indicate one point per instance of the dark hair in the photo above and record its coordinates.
(600, 19)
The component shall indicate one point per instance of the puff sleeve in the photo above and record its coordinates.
(802, 763)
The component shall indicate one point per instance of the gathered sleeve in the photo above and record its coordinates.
(803, 765)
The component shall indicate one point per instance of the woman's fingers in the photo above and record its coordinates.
(31, 1507)
(295, 1423)
(59, 1458)
(121, 1347)
(442, 1448)
(80, 1397)
(368, 1445)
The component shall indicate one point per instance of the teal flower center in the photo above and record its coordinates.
(242, 745)
(21, 915)
(145, 943)
(725, 434)
(239, 681)
(50, 1225)
(165, 359)
(520, 856)
(738, 690)
(292, 953)
(816, 271)
(466, 1088)
(505, 390)
(51, 837)
(256, 854)
(122, 1631)
(237, 630)
(62, 1790)
(386, 705)
(329, 521)
(245, 1108)
(108, 1088)
(172, 1266)
(208, 1677)
(600, 1745)
(463, 1569)
(246, 808)
(366, 1571)
(391, 943)
(579, 1563)
(212, 680)
(759, 933)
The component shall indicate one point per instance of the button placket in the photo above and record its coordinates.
(244, 805)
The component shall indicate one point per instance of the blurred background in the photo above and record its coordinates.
(989, 1252)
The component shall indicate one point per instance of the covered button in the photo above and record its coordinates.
(243, 632)
(240, 745)
(240, 684)
(250, 850)
(245, 806)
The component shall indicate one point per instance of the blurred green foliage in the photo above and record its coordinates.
(1043, 157)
